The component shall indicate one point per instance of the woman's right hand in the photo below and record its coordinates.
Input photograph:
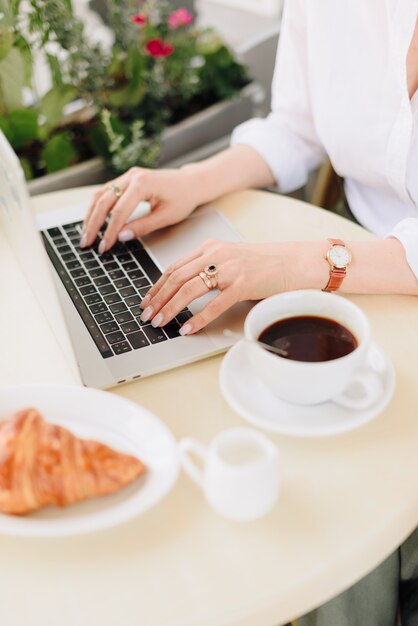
(172, 194)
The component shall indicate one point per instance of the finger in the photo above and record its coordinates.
(158, 218)
(172, 275)
(211, 311)
(198, 252)
(100, 211)
(98, 214)
(188, 292)
(120, 213)
(174, 283)
(98, 194)
(142, 209)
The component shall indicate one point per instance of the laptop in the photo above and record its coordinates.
(92, 301)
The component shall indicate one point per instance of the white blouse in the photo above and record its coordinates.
(340, 89)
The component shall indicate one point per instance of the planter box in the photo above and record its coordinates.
(191, 135)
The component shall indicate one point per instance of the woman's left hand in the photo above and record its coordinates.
(244, 272)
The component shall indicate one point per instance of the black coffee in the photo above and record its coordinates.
(310, 338)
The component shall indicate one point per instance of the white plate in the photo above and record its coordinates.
(252, 399)
(119, 423)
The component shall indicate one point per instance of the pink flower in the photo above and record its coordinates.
(159, 48)
(181, 17)
(139, 19)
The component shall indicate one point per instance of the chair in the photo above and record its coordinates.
(326, 190)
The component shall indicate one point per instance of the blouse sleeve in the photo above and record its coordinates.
(407, 232)
(286, 139)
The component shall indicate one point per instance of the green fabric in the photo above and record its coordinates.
(375, 599)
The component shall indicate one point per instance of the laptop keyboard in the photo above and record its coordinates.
(106, 289)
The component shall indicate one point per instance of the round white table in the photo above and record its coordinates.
(347, 501)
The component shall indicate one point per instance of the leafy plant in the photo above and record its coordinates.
(129, 147)
(160, 69)
(19, 126)
(84, 65)
(29, 128)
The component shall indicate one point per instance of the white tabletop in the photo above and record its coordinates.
(347, 501)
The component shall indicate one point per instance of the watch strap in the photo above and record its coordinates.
(336, 274)
(336, 277)
(336, 242)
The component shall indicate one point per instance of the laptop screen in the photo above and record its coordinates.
(11, 179)
(18, 223)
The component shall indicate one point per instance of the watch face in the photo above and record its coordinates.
(339, 256)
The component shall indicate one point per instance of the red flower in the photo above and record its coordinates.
(139, 19)
(159, 48)
(181, 17)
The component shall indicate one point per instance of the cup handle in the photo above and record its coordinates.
(370, 386)
(186, 446)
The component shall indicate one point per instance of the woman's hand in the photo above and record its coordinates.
(172, 195)
(244, 272)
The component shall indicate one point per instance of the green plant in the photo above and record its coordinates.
(30, 128)
(128, 147)
(160, 69)
(84, 66)
(164, 66)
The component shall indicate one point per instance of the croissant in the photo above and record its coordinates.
(42, 463)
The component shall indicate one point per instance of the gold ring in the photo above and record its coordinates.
(211, 269)
(214, 281)
(211, 272)
(206, 280)
(116, 190)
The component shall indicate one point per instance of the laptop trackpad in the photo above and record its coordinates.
(173, 243)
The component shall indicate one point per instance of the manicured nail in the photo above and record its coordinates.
(102, 246)
(157, 320)
(126, 235)
(185, 330)
(83, 240)
(145, 301)
(147, 314)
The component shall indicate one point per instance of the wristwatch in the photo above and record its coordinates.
(339, 258)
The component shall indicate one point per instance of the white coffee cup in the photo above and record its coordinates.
(240, 475)
(345, 380)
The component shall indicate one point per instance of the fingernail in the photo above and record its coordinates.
(185, 330)
(157, 320)
(102, 246)
(126, 235)
(147, 314)
(83, 240)
(144, 301)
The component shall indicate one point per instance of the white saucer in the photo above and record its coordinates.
(117, 422)
(252, 399)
